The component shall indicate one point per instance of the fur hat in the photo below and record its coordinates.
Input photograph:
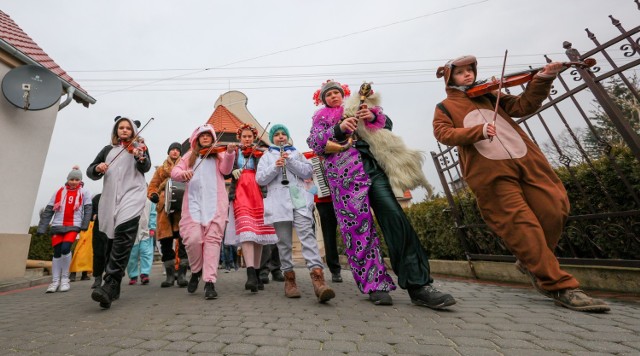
(328, 85)
(446, 70)
(278, 127)
(175, 145)
(75, 173)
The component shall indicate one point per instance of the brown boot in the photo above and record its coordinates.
(576, 299)
(290, 287)
(322, 290)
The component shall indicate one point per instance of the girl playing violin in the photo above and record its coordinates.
(519, 195)
(247, 208)
(204, 205)
(123, 164)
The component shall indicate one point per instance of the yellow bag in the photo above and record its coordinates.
(82, 258)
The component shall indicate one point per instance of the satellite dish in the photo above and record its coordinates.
(31, 87)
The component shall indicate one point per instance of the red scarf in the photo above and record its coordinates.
(57, 204)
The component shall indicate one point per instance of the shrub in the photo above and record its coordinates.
(40, 247)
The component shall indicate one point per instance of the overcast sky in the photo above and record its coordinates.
(172, 59)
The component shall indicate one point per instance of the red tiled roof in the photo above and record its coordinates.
(224, 121)
(11, 33)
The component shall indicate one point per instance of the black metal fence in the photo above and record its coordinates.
(589, 130)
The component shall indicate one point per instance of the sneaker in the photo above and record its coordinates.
(144, 279)
(577, 299)
(210, 291)
(533, 279)
(133, 281)
(336, 277)
(53, 287)
(429, 296)
(64, 285)
(380, 297)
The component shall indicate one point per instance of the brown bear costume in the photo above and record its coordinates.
(519, 195)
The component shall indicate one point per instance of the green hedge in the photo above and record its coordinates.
(40, 248)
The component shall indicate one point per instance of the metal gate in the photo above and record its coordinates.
(595, 152)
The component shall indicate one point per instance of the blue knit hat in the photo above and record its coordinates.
(278, 127)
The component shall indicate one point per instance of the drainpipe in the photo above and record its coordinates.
(70, 91)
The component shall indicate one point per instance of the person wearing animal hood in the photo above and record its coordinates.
(122, 164)
(205, 205)
(358, 184)
(168, 228)
(519, 195)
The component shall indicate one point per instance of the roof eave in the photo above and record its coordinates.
(79, 94)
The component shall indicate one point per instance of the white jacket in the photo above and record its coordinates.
(278, 205)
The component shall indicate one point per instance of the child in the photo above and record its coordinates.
(141, 256)
(204, 206)
(123, 164)
(519, 195)
(70, 209)
(358, 184)
(246, 216)
(168, 229)
(290, 205)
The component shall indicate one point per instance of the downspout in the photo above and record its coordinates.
(70, 91)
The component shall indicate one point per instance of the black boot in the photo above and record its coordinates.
(106, 293)
(182, 274)
(97, 282)
(169, 267)
(124, 236)
(259, 280)
(85, 276)
(264, 276)
(277, 275)
(193, 282)
(252, 280)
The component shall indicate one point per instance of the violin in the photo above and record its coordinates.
(519, 78)
(211, 150)
(138, 143)
(251, 150)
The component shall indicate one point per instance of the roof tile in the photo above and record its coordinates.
(11, 33)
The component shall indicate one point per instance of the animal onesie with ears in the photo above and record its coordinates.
(122, 202)
(204, 206)
(519, 195)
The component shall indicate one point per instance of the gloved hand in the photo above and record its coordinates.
(154, 198)
(236, 173)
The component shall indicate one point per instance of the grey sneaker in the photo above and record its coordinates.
(577, 299)
(534, 280)
(380, 298)
(429, 296)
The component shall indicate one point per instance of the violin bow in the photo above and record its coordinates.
(259, 139)
(206, 154)
(495, 110)
(132, 141)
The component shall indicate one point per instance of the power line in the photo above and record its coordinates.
(311, 44)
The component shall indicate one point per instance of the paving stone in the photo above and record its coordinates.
(488, 320)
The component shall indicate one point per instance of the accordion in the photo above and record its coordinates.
(319, 175)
